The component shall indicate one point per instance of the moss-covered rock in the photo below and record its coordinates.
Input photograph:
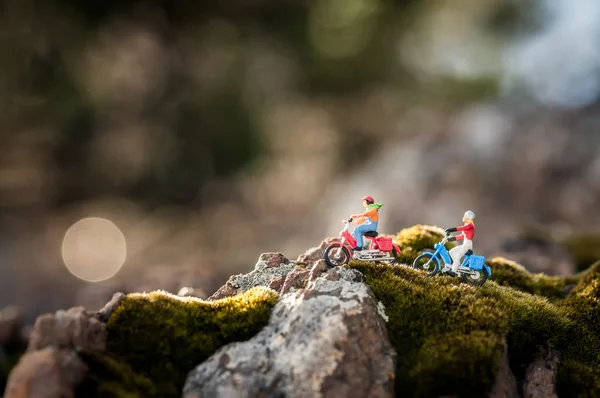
(579, 372)
(509, 273)
(413, 240)
(451, 337)
(155, 339)
(585, 249)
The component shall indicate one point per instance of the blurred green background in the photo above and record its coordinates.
(210, 132)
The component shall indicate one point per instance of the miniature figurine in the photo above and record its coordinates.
(456, 253)
(381, 249)
(473, 269)
(366, 222)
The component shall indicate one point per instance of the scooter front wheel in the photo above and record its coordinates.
(336, 255)
(427, 262)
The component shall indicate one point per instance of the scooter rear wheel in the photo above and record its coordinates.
(483, 276)
(330, 255)
(394, 259)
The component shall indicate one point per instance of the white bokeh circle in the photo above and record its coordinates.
(94, 249)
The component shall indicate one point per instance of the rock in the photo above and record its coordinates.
(192, 292)
(277, 283)
(272, 260)
(269, 267)
(73, 328)
(505, 385)
(296, 279)
(50, 366)
(317, 270)
(227, 290)
(316, 253)
(108, 309)
(540, 379)
(11, 324)
(47, 373)
(327, 340)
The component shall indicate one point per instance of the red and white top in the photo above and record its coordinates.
(468, 231)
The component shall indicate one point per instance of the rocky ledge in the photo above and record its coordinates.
(296, 328)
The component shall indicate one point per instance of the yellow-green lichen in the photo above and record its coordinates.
(161, 337)
(450, 337)
(413, 240)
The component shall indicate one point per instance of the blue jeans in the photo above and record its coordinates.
(361, 229)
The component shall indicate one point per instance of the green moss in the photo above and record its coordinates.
(161, 337)
(440, 356)
(413, 240)
(110, 378)
(579, 372)
(450, 336)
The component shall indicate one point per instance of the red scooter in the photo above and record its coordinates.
(381, 249)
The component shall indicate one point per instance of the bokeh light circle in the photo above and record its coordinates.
(94, 249)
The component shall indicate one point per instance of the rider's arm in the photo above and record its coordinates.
(361, 217)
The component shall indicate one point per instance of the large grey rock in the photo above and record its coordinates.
(327, 340)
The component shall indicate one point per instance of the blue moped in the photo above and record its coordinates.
(473, 269)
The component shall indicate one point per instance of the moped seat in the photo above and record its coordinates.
(371, 234)
(469, 252)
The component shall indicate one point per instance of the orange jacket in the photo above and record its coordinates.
(361, 218)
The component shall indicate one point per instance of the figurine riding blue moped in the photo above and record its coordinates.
(473, 269)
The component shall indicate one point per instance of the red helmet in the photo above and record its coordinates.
(369, 199)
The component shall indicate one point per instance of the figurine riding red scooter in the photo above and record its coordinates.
(350, 245)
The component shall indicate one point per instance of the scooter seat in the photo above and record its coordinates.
(469, 252)
(371, 234)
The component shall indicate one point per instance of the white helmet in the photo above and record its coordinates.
(469, 215)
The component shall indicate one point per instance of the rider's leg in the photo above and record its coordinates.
(360, 230)
(358, 236)
(457, 252)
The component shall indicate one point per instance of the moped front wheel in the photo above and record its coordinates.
(478, 279)
(336, 255)
(428, 263)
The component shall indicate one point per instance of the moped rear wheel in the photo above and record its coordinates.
(336, 255)
(428, 263)
(478, 279)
